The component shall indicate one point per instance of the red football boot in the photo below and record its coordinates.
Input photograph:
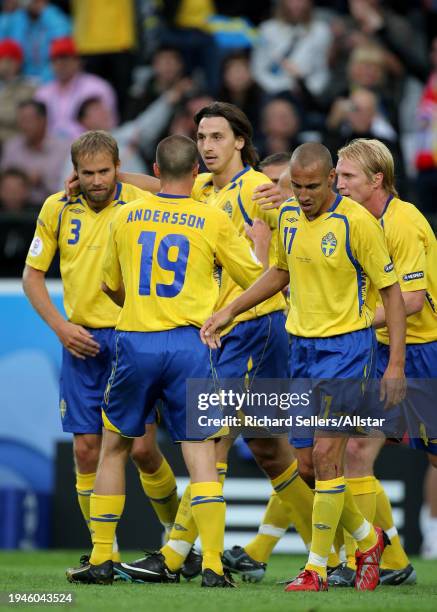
(367, 576)
(308, 580)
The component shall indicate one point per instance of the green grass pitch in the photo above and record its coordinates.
(44, 571)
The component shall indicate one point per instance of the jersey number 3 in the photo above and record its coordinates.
(74, 229)
(176, 264)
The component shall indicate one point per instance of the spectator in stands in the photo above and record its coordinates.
(14, 190)
(40, 155)
(239, 88)
(358, 117)
(183, 121)
(167, 69)
(105, 35)
(34, 28)
(426, 140)
(71, 87)
(280, 127)
(17, 223)
(367, 67)
(14, 87)
(292, 50)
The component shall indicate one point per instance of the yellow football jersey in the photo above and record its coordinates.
(81, 236)
(235, 199)
(164, 249)
(412, 246)
(336, 262)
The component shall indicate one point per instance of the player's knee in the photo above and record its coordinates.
(325, 456)
(86, 453)
(359, 458)
(146, 457)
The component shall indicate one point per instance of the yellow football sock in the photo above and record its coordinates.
(364, 491)
(275, 523)
(160, 488)
(394, 556)
(84, 488)
(209, 509)
(298, 499)
(105, 512)
(328, 505)
(355, 523)
(184, 532)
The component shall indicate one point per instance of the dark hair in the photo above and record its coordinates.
(82, 110)
(39, 107)
(311, 153)
(14, 172)
(239, 123)
(176, 156)
(93, 142)
(276, 159)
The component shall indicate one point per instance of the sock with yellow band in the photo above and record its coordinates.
(297, 498)
(275, 523)
(160, 488)
(354, 522)
(364, 491)
(209, 509)
(184, 532)
(394, 556)
(84, 489)
(328, 506)
(105, 512)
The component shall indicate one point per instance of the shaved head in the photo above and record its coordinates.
(176, 156)
(312, 153)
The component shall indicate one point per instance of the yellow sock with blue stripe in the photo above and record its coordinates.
(105, 512)
(160, 488)
(298, 499)
(328, 507)
(275, 523)
(84, 488)
(184, 532)
(355, 523)
(364, 491)
(394, 556)
(209, 509)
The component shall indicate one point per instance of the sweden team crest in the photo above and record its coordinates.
(228, 209)
(328, 244)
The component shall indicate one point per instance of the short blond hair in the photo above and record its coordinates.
(372, 156)
(93, 142)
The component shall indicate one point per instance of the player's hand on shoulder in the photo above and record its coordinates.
(77, 340)
(259, 231)
(210, 330)
(393, 386)
(267, 196)
(71, 184)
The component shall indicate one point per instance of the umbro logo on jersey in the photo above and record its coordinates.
(292, 219)
(77, 211)
(322, 526)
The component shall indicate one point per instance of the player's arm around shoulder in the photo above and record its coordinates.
(112, 279)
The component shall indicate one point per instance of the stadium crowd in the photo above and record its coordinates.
(301, 70)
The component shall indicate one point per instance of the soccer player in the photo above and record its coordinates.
(276, 167)
(79, 228)
(332, 252)
(159, 265)
(254, 345)
(365, 172)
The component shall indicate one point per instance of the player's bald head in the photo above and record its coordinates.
(310, 154)
(176, 156)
